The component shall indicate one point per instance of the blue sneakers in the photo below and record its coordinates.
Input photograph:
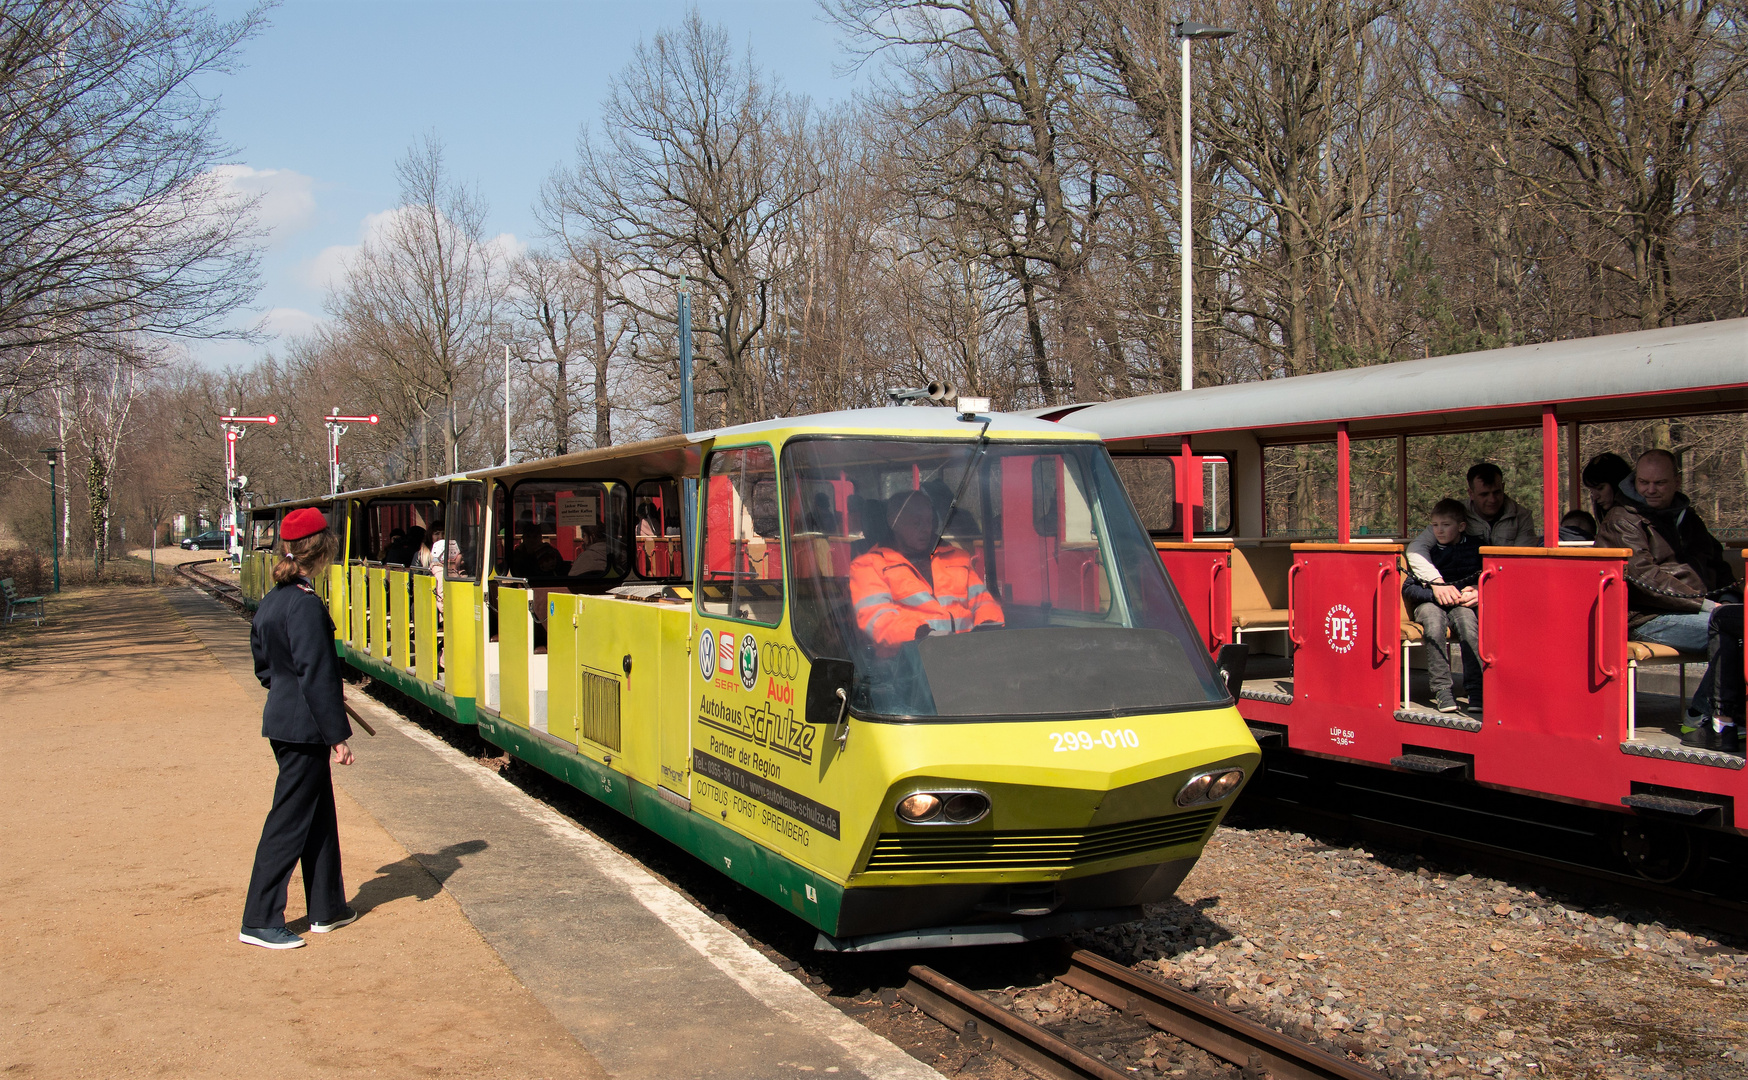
(270, 937)
(347, 918)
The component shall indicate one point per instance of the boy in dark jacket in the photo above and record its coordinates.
(1450, 602)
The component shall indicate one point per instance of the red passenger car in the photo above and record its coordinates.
(1289, 537)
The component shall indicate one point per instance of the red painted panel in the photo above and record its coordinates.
(1203, 577)
(1347, 664)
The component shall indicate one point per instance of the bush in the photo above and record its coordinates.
(28, 570)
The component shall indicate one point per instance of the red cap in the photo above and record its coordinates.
(301, 523)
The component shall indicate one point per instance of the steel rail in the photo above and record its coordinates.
(223, 590)
(1201, 1023)
(1025, 1044)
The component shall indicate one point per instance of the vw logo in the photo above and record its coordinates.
(780, 661)
(707, 655)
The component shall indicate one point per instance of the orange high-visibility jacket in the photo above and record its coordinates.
(892, 600)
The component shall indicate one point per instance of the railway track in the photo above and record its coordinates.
(227, 591)
(1225, 1034)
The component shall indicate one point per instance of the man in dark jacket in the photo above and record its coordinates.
(1450, 602)
(1678, 585)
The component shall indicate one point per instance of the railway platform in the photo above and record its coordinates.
(498, 937)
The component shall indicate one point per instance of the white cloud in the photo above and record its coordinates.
(328, 268)
(284, 322)
(287, 200)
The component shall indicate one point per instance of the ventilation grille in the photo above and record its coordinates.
(951, 849)
(598, 707)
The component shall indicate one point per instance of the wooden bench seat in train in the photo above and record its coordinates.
(1259, 588)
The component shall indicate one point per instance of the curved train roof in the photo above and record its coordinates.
(1701, 367)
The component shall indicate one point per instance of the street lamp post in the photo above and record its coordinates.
(1186, 31)
(53, 453)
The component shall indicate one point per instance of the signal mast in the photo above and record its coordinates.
(235, 426)
(336, 428)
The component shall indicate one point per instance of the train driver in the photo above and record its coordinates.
(902, 592)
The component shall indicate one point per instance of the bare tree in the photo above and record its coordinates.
(699, 162)
(112, 224)
(565, 302)
(421, 299)
(1602, 115)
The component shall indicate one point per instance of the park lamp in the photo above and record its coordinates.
(53, 453)
(1195, 31)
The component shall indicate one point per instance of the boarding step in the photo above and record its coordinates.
(1426, 763)
(1692, 755)
(1268, 735)
(1266, 695)
(1454, 721)
(1670, 804)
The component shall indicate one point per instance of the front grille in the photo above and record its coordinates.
(944, 848)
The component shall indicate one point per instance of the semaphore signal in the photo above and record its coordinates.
(336, 428)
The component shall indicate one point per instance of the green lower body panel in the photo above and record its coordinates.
(461, 710)
(813, 898)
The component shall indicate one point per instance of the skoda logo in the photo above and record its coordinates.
(749, 662)
(707, 655)
(780, 661)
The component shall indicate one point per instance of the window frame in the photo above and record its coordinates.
(510, 490)
(1176, 527)
(703, 535)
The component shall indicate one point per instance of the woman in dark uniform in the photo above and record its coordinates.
(305, 722)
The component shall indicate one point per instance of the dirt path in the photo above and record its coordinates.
(135, 782)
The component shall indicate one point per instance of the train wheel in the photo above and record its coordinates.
(1659, 851)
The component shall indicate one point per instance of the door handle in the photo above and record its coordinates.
(1602, 672)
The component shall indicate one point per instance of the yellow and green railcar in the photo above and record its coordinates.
(681, 628)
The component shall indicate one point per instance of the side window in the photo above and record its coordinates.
(658, 549)
(464, 529)
(265, 528)
(742, 572)
(1152, 485)
(569, 530)
(500, 530)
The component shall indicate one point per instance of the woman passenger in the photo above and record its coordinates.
(1602, 477)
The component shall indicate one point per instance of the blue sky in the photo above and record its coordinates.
(332, 93)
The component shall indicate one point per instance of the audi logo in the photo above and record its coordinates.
(780, 661)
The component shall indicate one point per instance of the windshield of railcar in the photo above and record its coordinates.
(984, 579)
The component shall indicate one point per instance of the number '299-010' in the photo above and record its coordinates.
(1086, 740)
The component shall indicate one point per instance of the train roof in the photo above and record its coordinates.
(1696, 368)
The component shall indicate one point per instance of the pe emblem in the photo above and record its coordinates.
(1342, 628)
(707, 655)
(749, 662)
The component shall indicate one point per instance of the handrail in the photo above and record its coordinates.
(1379, 650)
(1481, 624)
(1602, 672)
(1292, 629)
(1216, 632)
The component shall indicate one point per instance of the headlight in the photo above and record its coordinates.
(966, 806)
(943, 807)
(1210, 787)
(919, 807)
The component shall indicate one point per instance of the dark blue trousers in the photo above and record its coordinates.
(301, 827)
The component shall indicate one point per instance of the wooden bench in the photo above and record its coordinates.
(15, 601)
(1259, 589)
(1652, 654)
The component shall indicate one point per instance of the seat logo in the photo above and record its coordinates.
(1341, 628)
(707, 655)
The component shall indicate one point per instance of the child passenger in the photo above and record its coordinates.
(1577, 526)
(1450, 602)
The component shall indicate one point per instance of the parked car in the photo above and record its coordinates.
(211, 538)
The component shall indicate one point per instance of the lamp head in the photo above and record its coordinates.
(1185, 28)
